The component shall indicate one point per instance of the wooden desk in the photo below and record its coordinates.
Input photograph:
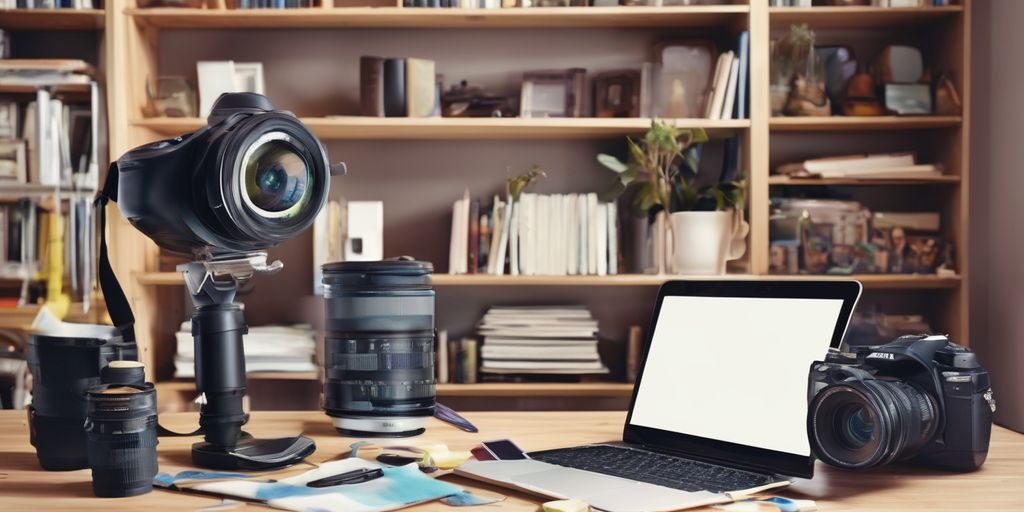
(998, 486)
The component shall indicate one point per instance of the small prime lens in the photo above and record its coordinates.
(120, 427)
(276, 178)
(379, 348)
(869, 423)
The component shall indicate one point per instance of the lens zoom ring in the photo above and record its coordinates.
(383, 361)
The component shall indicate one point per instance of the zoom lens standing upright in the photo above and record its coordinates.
(120, 427)
(379, 348)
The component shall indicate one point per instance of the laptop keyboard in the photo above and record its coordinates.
(653, 468)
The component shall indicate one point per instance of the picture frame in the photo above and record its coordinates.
(617, 94)
(13, 167)
(556, 93)
(685, 75)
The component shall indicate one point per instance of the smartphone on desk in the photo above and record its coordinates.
(503, 449)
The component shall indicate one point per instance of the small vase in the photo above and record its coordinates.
(702, 242)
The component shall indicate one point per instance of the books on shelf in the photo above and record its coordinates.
(274, 4)
(40, 72)
(555, 340)
(276, 348)
(550, 235)
(875, 166)
(49, 4)
(398, 87)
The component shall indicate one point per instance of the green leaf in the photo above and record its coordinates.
(697, 135)
(612, 163)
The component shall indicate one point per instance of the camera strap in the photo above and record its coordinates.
(113, 294)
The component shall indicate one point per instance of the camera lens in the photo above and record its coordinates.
(120, 427)
(379, 364)
(276, 177)
(868, 423)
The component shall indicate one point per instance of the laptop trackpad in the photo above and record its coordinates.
(614, 494)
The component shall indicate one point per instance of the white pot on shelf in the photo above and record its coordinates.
(702, 242)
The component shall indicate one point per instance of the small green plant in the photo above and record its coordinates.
(515, 185)
(665, 164)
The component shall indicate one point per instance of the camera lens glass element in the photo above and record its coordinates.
(276, 179)
(868, 423)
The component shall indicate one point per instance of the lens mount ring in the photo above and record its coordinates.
(260, 142)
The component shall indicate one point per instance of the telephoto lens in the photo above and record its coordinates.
(379, 347)
(120, 426)
(64, 364)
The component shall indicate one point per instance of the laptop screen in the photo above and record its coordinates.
(734, 368)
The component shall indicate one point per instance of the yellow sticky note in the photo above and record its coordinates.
(566, 506)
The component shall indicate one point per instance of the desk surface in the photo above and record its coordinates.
(998, 486)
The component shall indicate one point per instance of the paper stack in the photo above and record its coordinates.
(267, 349)
(558, 340)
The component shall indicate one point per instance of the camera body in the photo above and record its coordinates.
(250, 179)
(918, 398)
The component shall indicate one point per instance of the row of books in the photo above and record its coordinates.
(274, 4)
(26, 247)
(532, 340)
(457, 360)
(398, 87)
(557, 234)
(49, 4)
(873, 3)
(818, 236)
(276, 348)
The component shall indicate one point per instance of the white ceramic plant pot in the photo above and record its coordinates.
(702, 242)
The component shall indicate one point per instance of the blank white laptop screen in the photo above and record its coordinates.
(735, 368)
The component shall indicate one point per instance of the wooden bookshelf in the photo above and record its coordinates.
(360, 127)
(843, 123)
(860, 16)
(397, 17)
(482, 390)
(870, 281)
(52, 19)
(137, 48)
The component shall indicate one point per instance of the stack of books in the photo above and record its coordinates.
(274, 4)
(546, 235)
(267, 349)
(48, 4)
(540, 340)
(880, 166)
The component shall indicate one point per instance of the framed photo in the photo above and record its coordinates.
(12, 161)
(552, 93)
(617, 94)
(249, 77)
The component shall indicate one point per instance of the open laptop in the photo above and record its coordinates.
(719, 406)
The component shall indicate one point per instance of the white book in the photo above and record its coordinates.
(709, 100)
(721, 82)
(572, 235)
(464, 232)
(730, 89)
(442, 357)
(525, 232)
(497, 211)
(453, 244)
(566, 232)
(859, 162)
(513, 239)
(910, 171)
(544, 365)
(601, 247)
(544, 235)
(584, 235)
(506, 228)
(594, 227)
(613, 239)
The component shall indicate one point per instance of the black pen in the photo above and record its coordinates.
(351, 477)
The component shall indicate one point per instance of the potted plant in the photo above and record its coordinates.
(698, 227)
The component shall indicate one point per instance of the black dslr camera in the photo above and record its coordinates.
(917, 398)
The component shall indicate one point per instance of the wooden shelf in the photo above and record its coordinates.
(810, 182)
(393, 128)
(51, 19)
(397, 17)
(845, 123)
(488, 389)
(21, 318)
(875, 281)
(859, 16)
(58, 88)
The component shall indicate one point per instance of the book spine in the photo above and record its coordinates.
(394, 88)
(474, 237)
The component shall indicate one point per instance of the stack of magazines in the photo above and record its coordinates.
(540, 340)
(267, 349)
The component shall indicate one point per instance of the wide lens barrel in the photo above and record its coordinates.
(863, 424)
(121, 435)
(379, 347)
(64, 365)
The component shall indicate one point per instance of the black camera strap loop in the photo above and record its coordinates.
(113, 294)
